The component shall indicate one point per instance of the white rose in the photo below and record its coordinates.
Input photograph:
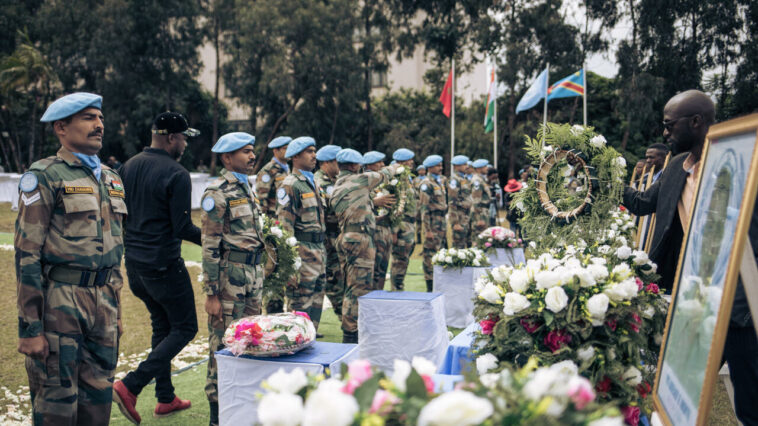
(476, 262)
(623, 252)
(520, 206)
(491, 293)
(547, 279)
(480, 283)
(622, 240)
(598, 141)
(514, 303)
(540, 383)
(572, 263)
(519, 280)
(393, 182)
(597, 305)
(598, 260)
(455, 408)
(461, 255)
(566, 367)
(604, 249)
(620, 162)
(284, 382)
(486, 363)
(423, 366)
(632, 376)
(585, 353)
(280, 409)
(658, 338)
(598, 271)
(292, 241)
(533, 244)
(448, 259)
(452, 252)
(400, 170)
(327, 405)
(640, 257)
(501, 273)
(400, 373)
(489, 380)
(621, 271)
(648, 312)
(556, 299)
(608, 421)
(615, 292)
(577, 129)
(276, 232)
(586, 277)
(298, 263)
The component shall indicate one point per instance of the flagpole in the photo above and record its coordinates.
(452, 119)
(584, 98)
(547, 85)
(494, 136)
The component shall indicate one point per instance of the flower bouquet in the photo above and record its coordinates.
(455, 271)
(270, 335)
(399, 186)
(595, 306)
(501, 245)
(460, 258)
(281, 258)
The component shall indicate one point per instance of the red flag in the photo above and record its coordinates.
(446, 98)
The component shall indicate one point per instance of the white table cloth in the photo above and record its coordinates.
(457, 284)
(508, 257)
(239, 378)
(401, 325)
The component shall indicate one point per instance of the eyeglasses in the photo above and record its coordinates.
(669, 124)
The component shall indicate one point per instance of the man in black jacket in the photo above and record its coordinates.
(686, 119)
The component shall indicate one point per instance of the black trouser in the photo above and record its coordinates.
(167, 293)
(741, 352)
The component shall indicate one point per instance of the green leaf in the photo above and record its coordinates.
(415, 386)
(549, 317)
(364, 394)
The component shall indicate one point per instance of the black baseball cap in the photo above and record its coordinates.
(173, 122)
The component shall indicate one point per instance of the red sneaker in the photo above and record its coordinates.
(163, 409)
(126, 402)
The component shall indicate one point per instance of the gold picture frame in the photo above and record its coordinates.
(709, 264)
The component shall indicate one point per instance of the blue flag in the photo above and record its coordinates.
(572, 85)
(537, 91)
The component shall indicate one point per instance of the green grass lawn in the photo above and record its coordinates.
(190, 383)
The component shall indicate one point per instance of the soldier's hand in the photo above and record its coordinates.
(35, 347)
(213, 306)
(429, 235)
(457, 227)
(384, 200)
(120, 328)
(394, 238)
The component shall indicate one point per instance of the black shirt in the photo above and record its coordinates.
(158, 196)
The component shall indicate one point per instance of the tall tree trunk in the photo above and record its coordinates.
(214, 136)
(367, 76)
(334, 119)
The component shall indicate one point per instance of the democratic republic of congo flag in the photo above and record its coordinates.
(572, 85)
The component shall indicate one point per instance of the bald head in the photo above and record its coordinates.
(686, 119)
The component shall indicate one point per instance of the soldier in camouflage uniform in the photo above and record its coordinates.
(301, 211)
(459, 202)
(68, 254)
(325, 178)
(420, 172)
(351, 201)
(232, 248)
(480, 196)
(433, 204)
(267, 182)
(404, 234)
(373, 161)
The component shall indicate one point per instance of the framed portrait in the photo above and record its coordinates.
(706, 278)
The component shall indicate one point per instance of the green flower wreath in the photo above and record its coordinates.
(553, 213)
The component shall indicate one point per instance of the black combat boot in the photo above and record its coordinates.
(429, 286)
(214, 414)
(349, 336)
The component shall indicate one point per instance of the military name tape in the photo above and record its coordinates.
(237, 202)
(79, 190)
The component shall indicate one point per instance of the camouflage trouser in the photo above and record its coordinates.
(357, 255)
(460, 238)
(335, 284)
(480, 220)
(434, 244)
(73, 385)
(383, 244)
(308, 294)
(401, 253)
(240, 295)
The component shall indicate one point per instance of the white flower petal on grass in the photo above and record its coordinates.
(455, 408)
(556, 299)
(485, 363)
(280, 409)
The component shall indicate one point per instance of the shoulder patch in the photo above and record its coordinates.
(476, 184)
(28, 182)
(281, 193)
(424, 187)
(266, 178)
(208, 204)
(453, 183)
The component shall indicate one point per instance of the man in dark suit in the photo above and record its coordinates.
(686, 119)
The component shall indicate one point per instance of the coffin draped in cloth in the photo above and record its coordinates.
(457, 284)
(508, 257)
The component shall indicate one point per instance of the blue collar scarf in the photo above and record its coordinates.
(91, 161)
(309, 176)
(243, 179)
(435, 177)
(285, 166)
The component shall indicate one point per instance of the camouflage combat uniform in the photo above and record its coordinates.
(268, 180)
(68, 256)
(351, 201)
(232, 247)
(459, 202)
(416, 184)
(405, 241)
(480, 211)
(383, 244)
(301, 212)
(335, 284)
(433, 209)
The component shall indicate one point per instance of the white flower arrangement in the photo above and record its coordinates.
(460, 258)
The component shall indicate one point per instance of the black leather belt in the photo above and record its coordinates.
(246, 257)
(355, 228)
(409, 219)
(80, 277)
(332, 228)
(310, 237)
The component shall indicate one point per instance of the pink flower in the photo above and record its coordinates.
(357, 372)
(631, 415)
(302, 314)
(488, 325)
(510, 245)
(519, 241)
(643, 389)
(429, 382)
(604, 386)
(487, 245)
(639, 282)
(382, 403)
(611, 323)
(557, 339)
(580, 391)
(653, 288)
(529, 325)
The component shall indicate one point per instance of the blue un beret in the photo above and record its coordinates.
(327, 153)
(420, 166)
(432, 160)
(231, 142)
(298, 145)
(372, 157)
(279, 142)
(403, 154)
(479, 163)
(70, 105)
(459, 160)
(348, 155)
